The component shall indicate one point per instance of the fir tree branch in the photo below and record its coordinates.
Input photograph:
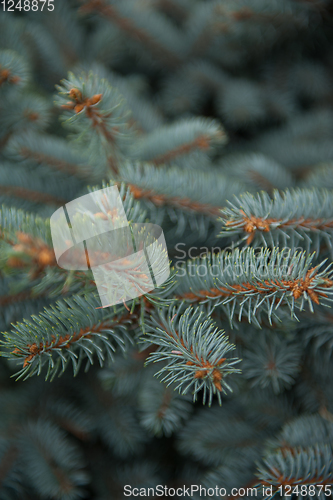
(69, 168)
(320, 176)
(73, 330)
(274, 362)
(182, 196)
(13, 70)
(50, 151)
(312, 466)
(146, 116)
(215, 437)
(28, 112)
(184, 137)
(258, 171)
(245, 282)
(18, 297)
(127, 25)
(194, 351)
(181, 203)
(289, 218)
(98, 115)
(200, 143)
(13, 220)
(32, 192)
(54, 465)
(300, 433)
(210, 21)
(30, 195)
(162, 410)
(27, 253)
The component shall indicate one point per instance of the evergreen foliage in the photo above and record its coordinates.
(214, 119)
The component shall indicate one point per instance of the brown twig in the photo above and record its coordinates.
(296, 286)
(64, 166)
(182, 203)
(128, 26)
(202, 142)
(30, 195)
(251, 224)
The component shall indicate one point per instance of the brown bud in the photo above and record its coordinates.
(33, 116)
(95, 99)
(4, 75)
(200, 374)
(25, 238)
(217, 375)
(100, 215)
(68, 106)
(27, 359)
(33, 348)
(75, 94)
(222, 360)
(19, 248)
(218, 386)
(15, 262)
(79, 107)
(46, 257)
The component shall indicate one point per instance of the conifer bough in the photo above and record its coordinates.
(194, 350)
(249, 282)
(289, 218)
